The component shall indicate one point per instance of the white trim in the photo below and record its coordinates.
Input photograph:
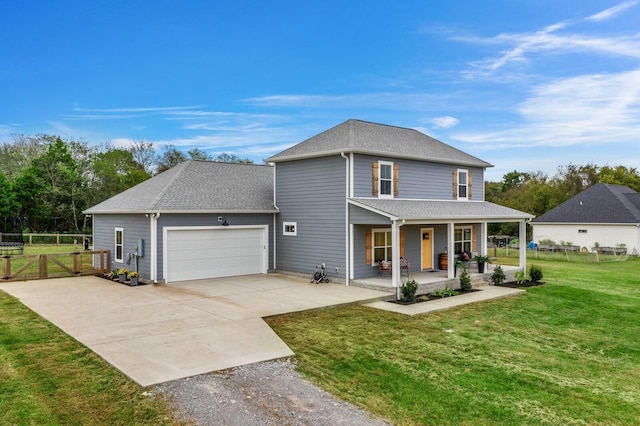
(290, 232)
(432, 247)
(466, 185)
(351, 252)
(380, 164)
(462, 227)
(115, 245)
(166, 229)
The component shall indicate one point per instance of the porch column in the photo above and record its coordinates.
(395, 255)
(451, 250)
(522, 235)
(483, 244)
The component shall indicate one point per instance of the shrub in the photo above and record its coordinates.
(465, 281)
(444, 292)
(521, 276)
(409, 289)
(535, 273)
(498, 276)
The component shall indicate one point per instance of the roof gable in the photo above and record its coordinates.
(198, 186)
(378, 139)
(601, 203)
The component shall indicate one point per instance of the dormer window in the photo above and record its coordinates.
(461, 184)
(385, 179)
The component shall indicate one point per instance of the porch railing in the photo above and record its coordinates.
(57, 265)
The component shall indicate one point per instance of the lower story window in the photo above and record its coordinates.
(119, 245)
(289, 228)
(381, 245)
(462, 238)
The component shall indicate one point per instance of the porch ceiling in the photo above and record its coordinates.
(439, 210)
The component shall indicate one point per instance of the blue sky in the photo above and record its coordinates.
(526, 85)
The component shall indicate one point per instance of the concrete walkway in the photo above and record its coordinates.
(484, 293)
(159, 333)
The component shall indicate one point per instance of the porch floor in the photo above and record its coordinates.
(433, 279)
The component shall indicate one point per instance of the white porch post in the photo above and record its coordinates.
(451, 251)
(395, 255)
(483, 244)
(522, 235)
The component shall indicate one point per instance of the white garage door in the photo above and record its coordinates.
(202, 252)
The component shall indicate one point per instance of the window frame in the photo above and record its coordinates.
(290, 232)
(389, 164)
(459, 245)
(120, 245)
(388, 246)
(465, 185)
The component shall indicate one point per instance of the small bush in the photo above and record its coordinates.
(498, 276)
(521, 277)
(535, 273)
(465, 281)
(444, 292)
(409, 289)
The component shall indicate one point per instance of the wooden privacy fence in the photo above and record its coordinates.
(42, 266)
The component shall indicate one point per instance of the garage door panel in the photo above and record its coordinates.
(210, 253)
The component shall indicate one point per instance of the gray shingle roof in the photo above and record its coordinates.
(442, 210)
(601, 203)
(378, 139)
(198, 186)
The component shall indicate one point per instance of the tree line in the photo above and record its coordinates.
(537, 192)
(47, 181)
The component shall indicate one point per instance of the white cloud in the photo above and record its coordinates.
(445, 122)
(594, 109)
(612, 11)
(554, 39)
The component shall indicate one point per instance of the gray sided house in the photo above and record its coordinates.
(603, 215)
(200, 219)
(352, 196)
(362, 192)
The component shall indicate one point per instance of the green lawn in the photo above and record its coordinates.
(567, 352)
(48, 378)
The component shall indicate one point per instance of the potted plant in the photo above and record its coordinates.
(482, 260)
(133, 277)
(122, 275)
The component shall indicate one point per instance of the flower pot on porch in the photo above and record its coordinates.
(122, 278)
(481, 267)
(133, 280)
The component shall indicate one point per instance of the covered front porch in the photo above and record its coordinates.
(421, 231)
(434, 279)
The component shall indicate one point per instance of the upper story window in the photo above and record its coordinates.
(119, 245)
(461, 184)
(385, 179)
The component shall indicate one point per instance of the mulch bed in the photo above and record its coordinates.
(515, 284)
(428, 297)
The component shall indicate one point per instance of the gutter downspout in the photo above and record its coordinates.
(274, 217)
(154, 246)
(347, 237)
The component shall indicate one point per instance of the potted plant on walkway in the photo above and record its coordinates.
(133, 278)
(122, 275)
(482, 260)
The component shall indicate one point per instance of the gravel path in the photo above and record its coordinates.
(266, 393)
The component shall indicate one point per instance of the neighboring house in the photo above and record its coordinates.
(355, 194)
(603, 215)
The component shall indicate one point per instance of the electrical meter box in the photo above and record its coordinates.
(140, 247)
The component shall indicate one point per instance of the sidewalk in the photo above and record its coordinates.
(485, 293)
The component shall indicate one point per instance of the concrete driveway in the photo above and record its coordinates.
(159, 333)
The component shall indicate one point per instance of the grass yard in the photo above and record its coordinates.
(567, 352)
(17, 261)
(48, 378)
